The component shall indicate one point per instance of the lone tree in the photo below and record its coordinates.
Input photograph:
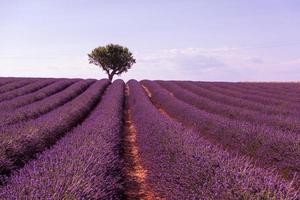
(112, 58)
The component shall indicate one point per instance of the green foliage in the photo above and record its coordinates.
(112, 58)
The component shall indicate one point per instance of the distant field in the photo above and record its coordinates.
(89, 139)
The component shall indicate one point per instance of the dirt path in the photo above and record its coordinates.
(158, 106)
(136, 174)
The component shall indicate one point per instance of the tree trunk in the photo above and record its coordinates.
(110, 77)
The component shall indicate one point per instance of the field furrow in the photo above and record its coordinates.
(136, 186)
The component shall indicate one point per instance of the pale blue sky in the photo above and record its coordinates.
(227, 40)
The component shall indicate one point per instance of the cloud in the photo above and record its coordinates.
(195, 64)
(292, 62)
(219, 64)
(175, 63)
(256, 60)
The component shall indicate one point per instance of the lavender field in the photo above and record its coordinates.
(89, 139)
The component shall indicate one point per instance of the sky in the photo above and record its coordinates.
(205, 40)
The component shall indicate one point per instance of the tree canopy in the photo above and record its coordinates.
(112, 58)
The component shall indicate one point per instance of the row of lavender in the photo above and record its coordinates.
(270, 147)
(218, 93)
(24, 97)
(274, 96)
(86, 163)
(175, 171)
(182, 165)
(36, 106)
(270, 89)
(4, 81)
(21, 141)
(13, 89)
(231, 96)
(29, 88)
(31, 97)
(14, 83)
(229, 107)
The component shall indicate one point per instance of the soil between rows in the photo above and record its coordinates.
(135, 173)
